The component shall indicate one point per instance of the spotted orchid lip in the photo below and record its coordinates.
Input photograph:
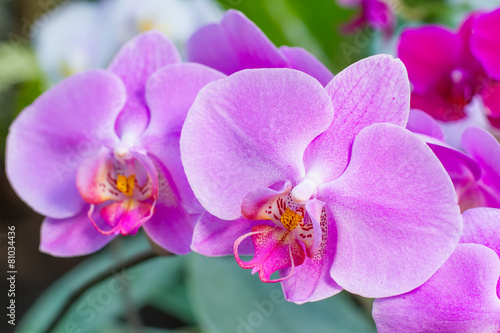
(295, 226)
(121, 191)
(275, 249)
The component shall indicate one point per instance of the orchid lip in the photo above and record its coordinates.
(293, 233)
(122, 191)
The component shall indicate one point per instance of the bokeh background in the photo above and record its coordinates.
(41, 42)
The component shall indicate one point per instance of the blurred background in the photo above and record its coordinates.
(43, 41)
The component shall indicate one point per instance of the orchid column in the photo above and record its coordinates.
(330, 188)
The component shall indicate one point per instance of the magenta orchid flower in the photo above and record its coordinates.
(98, 154)
(444, 73)
(485, 45)
(236, 43)
(475, 172)
(463, 295)
(376, 14)
(316, 194)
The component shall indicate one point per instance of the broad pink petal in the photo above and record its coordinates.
(74, 236)
(485, 42)
(274, 250)
(171, 227)
(485, 150)
(299, 59)
(429, 53)
(464, 172)
(250, 130)
(421, 123)
(170, 93)
(214, 237)
(312, 281)
(460, 297)
(134, 64)
(234, 44)
(458, 164)
(482, 226)
(49, 139)
(172, 223)
(396, 214)
(372, 90)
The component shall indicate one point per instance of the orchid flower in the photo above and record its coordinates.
(444, 72)
(323, 185)
(98, 154)
(485, 45)
(475, 172)
(376, 14)
(463, 295)
(236, 43)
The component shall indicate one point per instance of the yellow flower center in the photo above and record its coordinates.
(290, 219)
(126, 185)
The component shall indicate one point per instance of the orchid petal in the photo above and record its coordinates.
(241, 127)
(214, 237)
(485, 150)
(74, 236)
(372, 90)
(429, 53)
(50, 138)
(170, 93)
(482, 226)
(460, 297)
(420, 122)
(234, 44)
(134, 64)
(299, 59)
(396, 214)
(171, 226)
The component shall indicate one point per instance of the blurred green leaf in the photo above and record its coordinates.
(101, 308)
(228, 299)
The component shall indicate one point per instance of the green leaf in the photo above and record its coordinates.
(227, 298)
(103, 307)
